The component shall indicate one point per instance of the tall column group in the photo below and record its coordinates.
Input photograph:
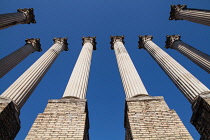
(140, 108)
(196, 92)
(18, 93)
(145, 116)
(72, 108)
(23, 87)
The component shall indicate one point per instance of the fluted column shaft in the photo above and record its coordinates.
(22, 16)
(198, 57)
(10, 61)
(131, 80)
(78, 81)
(181, 12)
(190, 86)
(23, 87)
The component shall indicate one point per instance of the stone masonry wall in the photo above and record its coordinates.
(201, 116)
(9, 120)
(150, 118)
(65, 118)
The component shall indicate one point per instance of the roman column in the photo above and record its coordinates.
(22, 16)
(196, 56)
(140, 108)
(181, 12)
(131, 80)
(68, 117)
(77, 85)
(190, 86)
(17, 94)
(10, 61)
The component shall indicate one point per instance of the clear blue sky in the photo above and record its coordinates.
(106, 98)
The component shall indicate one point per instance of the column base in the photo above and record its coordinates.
(201, 115)
(9, 119)
(149, 117)
(65, 118)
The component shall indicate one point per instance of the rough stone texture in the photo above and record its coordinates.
(201, 115)
(9, 120)
(150, 118)
(65, 118)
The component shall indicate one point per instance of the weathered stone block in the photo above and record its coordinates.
(201, 115)
(150, 118)
(65, 118)
(9, 119)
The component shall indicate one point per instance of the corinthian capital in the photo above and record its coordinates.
(35, 43)
(142, 40)
(115, 39)
(175, 9)
(91, 40)
(170, 40)
(62, 41)
(29, 14)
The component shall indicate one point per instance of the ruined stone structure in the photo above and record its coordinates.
(22, 16)
(13, 98)
(196, 56)
(146, 117)
(10, 61)
(196, 92)
(181, 12)
(67, 118)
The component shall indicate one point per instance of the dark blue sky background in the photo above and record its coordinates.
(100, 18)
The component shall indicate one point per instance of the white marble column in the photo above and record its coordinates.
(78, 81)
(22, 16)
(181, 12)
(23, 87)
(10, 61)
(196, 56)
(131, 80)
(190, 86)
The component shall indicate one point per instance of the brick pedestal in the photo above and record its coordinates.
(149, 117)
(9, 120)
(65, 118)
(201, 115)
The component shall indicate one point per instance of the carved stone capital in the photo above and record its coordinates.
(35, 43)
(29, 13)
(115, 39)
(170, 39)
(91, 40)
(62, 41)
(175, 9)
(143, 39)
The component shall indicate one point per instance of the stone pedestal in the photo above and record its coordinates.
(200, 118)
(65, 118)
(149, 117)
(9, 119)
